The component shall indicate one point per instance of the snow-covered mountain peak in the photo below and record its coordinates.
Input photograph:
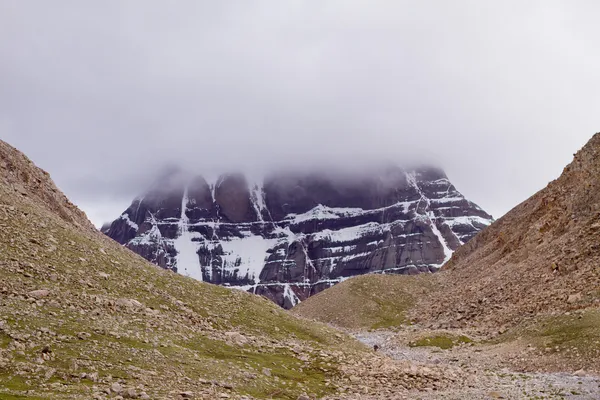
(289, 235)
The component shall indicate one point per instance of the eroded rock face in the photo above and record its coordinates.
(296, 234)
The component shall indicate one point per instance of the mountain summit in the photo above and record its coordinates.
(293, 234)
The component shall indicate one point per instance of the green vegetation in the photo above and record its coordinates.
(443, 341)
(390, 309)
(368, 301)
(576, 335)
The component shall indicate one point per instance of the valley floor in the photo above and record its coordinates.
(478, 371)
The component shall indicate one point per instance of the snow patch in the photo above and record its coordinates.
(430, 216)
(351, 233)
(289, 294)
(247, 253)
(448, 200)
(125, 217)
(187, 260)
(467, 220)
(440, 237)
(149, 237)
(322, 212)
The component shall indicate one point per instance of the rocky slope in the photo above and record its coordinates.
(294, 234)
(542, 256)
(82, 317)
(22, 178)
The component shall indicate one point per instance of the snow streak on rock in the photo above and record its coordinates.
(187, 261)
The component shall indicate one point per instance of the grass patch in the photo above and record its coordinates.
(4, 340)
(8, 396)
(573, 337)
(368, 301)
(582, 333)
(10, 384)
(443, 342)
(580, 330)
(287, 378)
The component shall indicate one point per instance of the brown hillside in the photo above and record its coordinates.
(543, 256)
(19, 175)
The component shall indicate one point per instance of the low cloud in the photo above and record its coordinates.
(104, 95)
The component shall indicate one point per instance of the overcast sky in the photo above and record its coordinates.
(102, 94)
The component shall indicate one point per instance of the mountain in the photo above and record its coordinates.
(294, 234)
(529, 281)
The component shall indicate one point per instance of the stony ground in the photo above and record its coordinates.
(542, 256)
(486, 371)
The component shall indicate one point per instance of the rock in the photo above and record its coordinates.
(266, 371)
(116, 387)
(130, 393)
(580, 373)
(129, 303)
(574, 298)
(303, 396)
(38, 294)
(236, 337)
(186, 395)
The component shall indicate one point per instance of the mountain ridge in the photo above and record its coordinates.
(295, 234)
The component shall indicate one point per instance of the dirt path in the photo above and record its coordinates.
(486, 370)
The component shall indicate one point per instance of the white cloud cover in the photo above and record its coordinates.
(103, 94)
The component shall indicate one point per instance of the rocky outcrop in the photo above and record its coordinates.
(19, 175)
(295, 234)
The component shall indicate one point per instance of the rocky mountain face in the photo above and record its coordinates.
(293, 234)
